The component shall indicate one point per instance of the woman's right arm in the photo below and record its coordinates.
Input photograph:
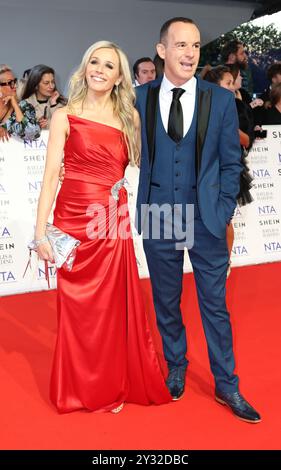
(59, 129)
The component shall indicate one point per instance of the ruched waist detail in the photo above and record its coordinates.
(92, 178)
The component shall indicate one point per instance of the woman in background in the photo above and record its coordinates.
(272, 114)
(228, 76)
(41, 91)
(16, 119)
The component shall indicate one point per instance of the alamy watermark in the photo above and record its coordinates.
(166, 221)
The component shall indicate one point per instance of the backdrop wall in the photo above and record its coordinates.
(257, 226)
(57, 32)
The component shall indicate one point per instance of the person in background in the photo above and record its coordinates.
(222, 76)
(16, 118)
(260, 113)
(21, 83)
(274, 76)
(234, 52)
(272, 114)
(159, 65)
(41, 91)
(144, 71)
(244, 109)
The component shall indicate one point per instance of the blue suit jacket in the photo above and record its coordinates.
(218, 152)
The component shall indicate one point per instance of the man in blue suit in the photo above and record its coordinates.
(190, 158)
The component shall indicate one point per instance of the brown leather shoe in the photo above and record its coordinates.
(239, 406)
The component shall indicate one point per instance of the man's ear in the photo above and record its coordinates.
(160, 50)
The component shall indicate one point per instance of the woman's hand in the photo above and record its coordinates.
(43, 123)
(45, 252)
(11, 99)
(4, 134)
(54, 97)
(238, 95)
(256, 102)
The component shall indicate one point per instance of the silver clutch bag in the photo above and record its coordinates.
(64, 246)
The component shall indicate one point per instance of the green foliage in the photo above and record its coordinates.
(260, 42)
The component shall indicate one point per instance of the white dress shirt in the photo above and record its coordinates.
(187, 100)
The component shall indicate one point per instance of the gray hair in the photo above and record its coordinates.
(5, 68)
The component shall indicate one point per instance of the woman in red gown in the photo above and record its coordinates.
(104, 353)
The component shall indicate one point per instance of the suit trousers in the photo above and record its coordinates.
(209, 259)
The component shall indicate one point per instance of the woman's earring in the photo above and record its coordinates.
(117, 87)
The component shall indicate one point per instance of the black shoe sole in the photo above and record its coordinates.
(219, 400)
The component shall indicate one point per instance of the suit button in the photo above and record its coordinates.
(176, 189)
(176, 161)
(177, 174)
(178, 146)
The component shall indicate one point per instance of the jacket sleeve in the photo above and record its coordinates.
(230, 159)
(28, 128)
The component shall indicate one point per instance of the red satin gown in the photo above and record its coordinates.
(104, 352)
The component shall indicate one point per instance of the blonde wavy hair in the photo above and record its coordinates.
(123, 95)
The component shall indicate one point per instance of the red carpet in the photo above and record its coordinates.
(28, 421)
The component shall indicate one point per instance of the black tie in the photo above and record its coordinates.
(175, 123)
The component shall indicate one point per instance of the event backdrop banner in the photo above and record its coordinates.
(257, 226)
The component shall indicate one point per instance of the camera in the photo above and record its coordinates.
(260, 134)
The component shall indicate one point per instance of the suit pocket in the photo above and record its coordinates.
(155, 185)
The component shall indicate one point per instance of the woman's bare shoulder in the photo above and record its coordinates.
(61, 113)
(59, 121)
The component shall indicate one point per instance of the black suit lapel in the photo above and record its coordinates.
(151, 119)
(204, 109)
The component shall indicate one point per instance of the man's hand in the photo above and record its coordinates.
(62, 173)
